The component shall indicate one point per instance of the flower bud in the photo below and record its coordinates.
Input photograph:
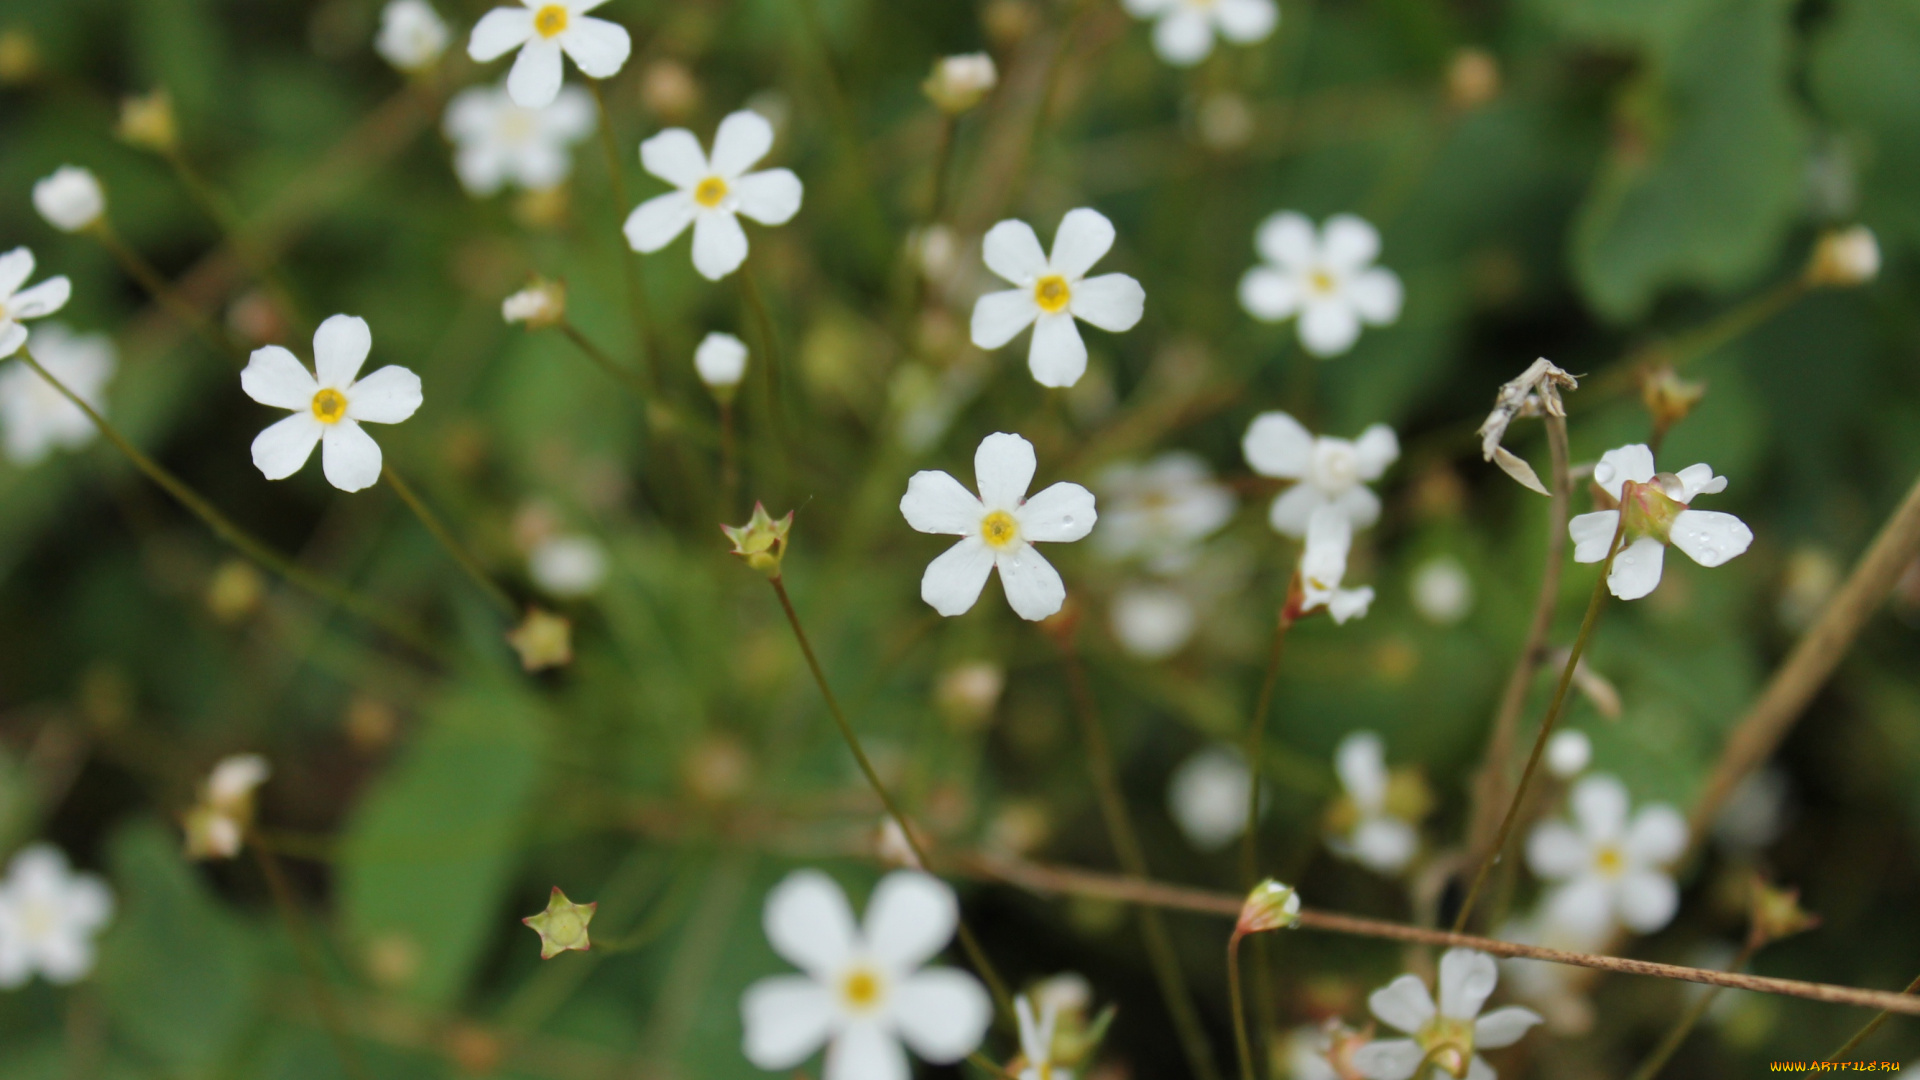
(1668, 397)
(762, 541)
(562, 926)
(1845, 257)
(958, 83)
(412, 35)
(1473, 78)
(235, 590)
(146, 121)
(1777, 913)
(540, 305)
(668, 90)
(218, 823)
(1568, 753)
(19, 57)
(543, 640)
(71, 199)
(721, 361)
(1270, 906)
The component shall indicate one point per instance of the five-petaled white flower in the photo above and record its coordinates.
(1448, 1037)
(1052, 292)
(1207, 796)
(999, 528)
(864, 989)
(542, 30)
(1370, 833)
(38, 417)
(1184, 31)
(70, 199)
(1331, 472)
(1658, 514)
(18, 305)
(498, 142)
(1036, 1039)
(1327, 278)
(1160, 511)
(48, 918)
(412, 35)
(328, 409)
(1610, 869)
(1323, 566)
(713, 192)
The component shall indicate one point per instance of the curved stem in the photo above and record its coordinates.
(627, 377)
(494, 593)
(1241, 1044)
(163, 293)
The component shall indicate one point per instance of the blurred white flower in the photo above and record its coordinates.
(864, 989)
(1306, 1055)
(1609, 869)
(412, 35)
(713, 192)
(1559, 992)
(542, 30)
(1036, 1039)
(38, 417)
(1331, 472)
(998, 528)
(1845, 257)
(958, 83)
(70, 199)
(1657, 515)
(1323, 567)
(1326, 278)
(49, 916)
(328, 409)
(721, 361)
(1450, 1036)
(1053, 291)
(539, 305)
(1568, 752)
(1153, 621)
(218, 824)
(18, 305)
(1160, 511)
(1184, 30)
(497, 142)
(1207, 797)
(568, 566)
(1442, 591)
(1374, 837)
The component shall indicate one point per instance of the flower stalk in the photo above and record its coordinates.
(496, 595)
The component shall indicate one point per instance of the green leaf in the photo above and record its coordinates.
(1865, 73)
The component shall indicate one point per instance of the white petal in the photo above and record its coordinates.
(16, 267)
(499, 32)
(1402, 1004)
(1245, 21)
(1633, 463)
(482, 169)
(387, 396)
(1374, 450)
(1361, 763)
(1084, 236)
(1582, 909)
(1286, 239)
(1467, 979)
(1375, 294)
(1647, 901)
(1034, 589)
(1328, 327)
(1012, 251)
(1478, 1069)
(1184, 36)
(1382, 844)
(1063, 512)
(572, 115)
(654, 223)
(541, 165)
(786, 1018)
(1147, 9)
(719, 244)
(1599, 804)
(1360, 505)
(675, 156)
(1699, 480)
(999, 316)
(866, 1052)
(1636, 569)
(743, 139)
(65, 958)
(340, 346)
(1710, 537)
(1057, 356)
(1347, 604)
(1592, 535)
(599, 47)
(274, 377)
(280, 450)
(909, 920)
(942, 1014)
(771, 197)
(535, 79)
(952, 582)
(937, 503)
(43, 299)
(349, 457)
(1294, 509)
(1003, 468)
(12, 336)
(1657, 836)
(809, 924)
(1270, 295)
(1278, 445)
(1503, 1027)
(1388, 1059)
(1111, 302)
(1557, 852)
(1348, 243)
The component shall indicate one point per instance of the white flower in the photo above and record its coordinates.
(1036, 1039)
(412, 35)
(1160, 511)
(1054, 291)
(542, 30)
(329, 408)
(1568, 753)
(1657, 515)
(1845, 257)
(568, 566)
(539, 305)
(998, 529)
(1306, 1055)
(498, 142)
(38, 417)
(1207, 797)
(1183, 34)
(1442, 591)
(48, 918)
(218, 824)
(1610, 869)
(17, 304)
(1376, 839)
(712, 192)
(1323, 565)
(1447, 1037)
(721, 360)
(1331, 472)
(959, 82)
(864, 989)
(70, 199)
(1152, 621)
(1328, 280)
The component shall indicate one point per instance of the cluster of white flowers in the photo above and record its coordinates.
(49, 916)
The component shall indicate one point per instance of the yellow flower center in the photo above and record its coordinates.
(330, 406)
(710, 192)
(1051, 293)
(999, 529)
(1448, 1044)
(1609, 861)
(861, 989)
(550, 20)
(1320, 282)
(38, 920)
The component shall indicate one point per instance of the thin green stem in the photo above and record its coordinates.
(1872, 1026)
(629, 259)
(220, 211)
(1546, 725)
(1684, 1026)
(245, 542)
(308, 949)
(1241, 1043)
(769, 342)
(494, 593)
(729, 458)
(1256, 737)
(626, 376)
(163, 293)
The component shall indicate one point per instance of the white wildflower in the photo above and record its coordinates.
(499, 142)
(328, 409)
(1442, 591)
(1184, 30)
(1160, 511)
(1036, 1040)
(958, 83)
(542, 30)
(568, 566)
(1207, 796)
(1658, 514)
(1450, 1036)
(713, 192)
(1845, 257)
(1323, 568)
(1327, 278)
(1609, 869)
(538, 306)
(1052, 291)
(37, 416)
(49, 916)
(1153, 621)
(18, 305)
(1568, 753)
(1331, 472)
(412, 35)
(71, 199)
(1370, 833)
